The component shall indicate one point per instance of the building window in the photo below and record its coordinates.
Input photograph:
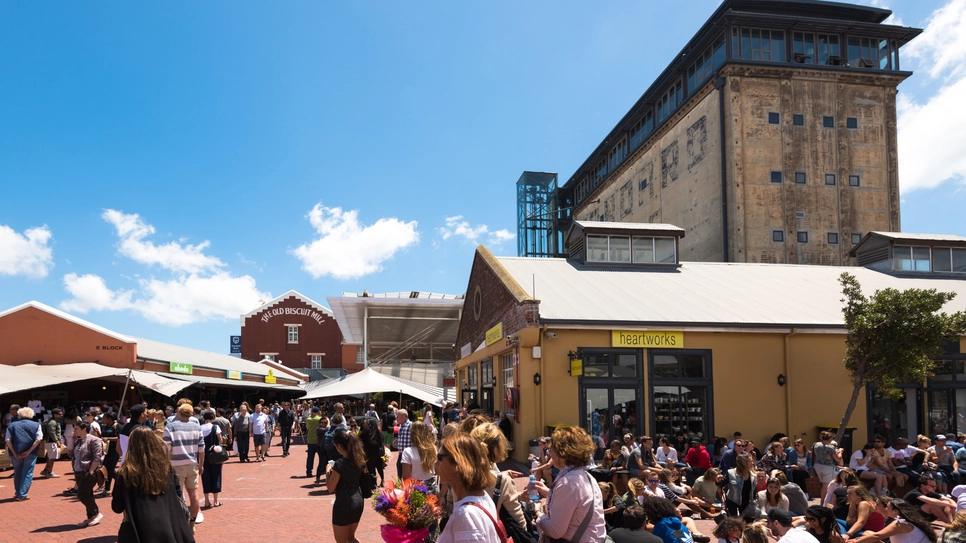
(707, 62)
(800, 178)
(643, 183)
(830, 179)
(833, 238)
(360, 355)
(642, 130)
(776, 177)
(316, 361)
(949, 260)
(267, 356)
(853, 180)
(648, 250)
(778, 235)
(758, 44)
(803, 237)
(670, 102)
(851, 122)
(471, 376)
(828, 50)
(509, 379)
(872, 53)
(681, 390)
(773, 118)
(906, 258)
(618, 154)
(798, 119)
(293, 334)
(828, 121)
(856, 238)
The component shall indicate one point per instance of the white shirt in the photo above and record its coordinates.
(469, 523)
(656, 492)
(411, 456)
(798, 535)
(854, 461)
(672, 456)
(258, 421)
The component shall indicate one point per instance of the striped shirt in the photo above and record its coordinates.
(185, 440)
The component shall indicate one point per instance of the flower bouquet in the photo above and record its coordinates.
(410, 508)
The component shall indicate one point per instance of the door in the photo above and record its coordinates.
(940, 411)
(486, 400)
(609, 413)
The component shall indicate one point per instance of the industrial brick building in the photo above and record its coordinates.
(770, 138)
(292, 330)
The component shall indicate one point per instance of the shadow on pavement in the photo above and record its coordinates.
(56, 529)
(99, 539)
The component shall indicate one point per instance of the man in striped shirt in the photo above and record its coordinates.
(403, 438)
(187, 449)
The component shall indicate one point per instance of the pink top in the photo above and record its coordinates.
(572, 493)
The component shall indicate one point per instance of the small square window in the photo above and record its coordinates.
(851, 122)
(776, 177)
(828, 121)
(798, 120)
(833, 238)
(773, 118)
(800, 178)
(803, 237)
(830, 179)
(778, 235)
(853, 180)
(643, 184)
(856, 238)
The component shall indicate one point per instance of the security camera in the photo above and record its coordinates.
(550, 335)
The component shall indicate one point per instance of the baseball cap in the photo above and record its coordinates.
(940, 437)
(958, 491)
(316, 409)
(780, 516)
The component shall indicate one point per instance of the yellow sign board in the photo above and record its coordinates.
(576, 367)
(270, 378)
(647, 339)
(494, 334)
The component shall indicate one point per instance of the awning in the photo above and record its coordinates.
(222, 382)
(28, 376)
(367, 381)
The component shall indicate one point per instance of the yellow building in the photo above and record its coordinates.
(623, 335)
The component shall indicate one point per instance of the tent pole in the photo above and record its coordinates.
(120, 408)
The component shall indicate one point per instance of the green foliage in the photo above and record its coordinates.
(893, 336)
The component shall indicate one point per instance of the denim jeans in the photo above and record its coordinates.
(23, 474)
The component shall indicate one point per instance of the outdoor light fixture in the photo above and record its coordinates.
(536, 378)
(781, 379)
(573, 355)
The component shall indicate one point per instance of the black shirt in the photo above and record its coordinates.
(913, 498)
(623, 535)
(387, 421)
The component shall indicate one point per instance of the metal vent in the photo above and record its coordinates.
(799, 214)
(576, 248)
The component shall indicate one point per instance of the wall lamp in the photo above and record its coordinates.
(536, 379)
(781, 379)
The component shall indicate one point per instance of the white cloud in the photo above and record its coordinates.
(25, 254)
(196, 292)
(346, 249)
(456, 226)
(932, 133)
(172, 256)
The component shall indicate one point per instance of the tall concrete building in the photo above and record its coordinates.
(770, 138)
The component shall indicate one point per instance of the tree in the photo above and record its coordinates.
(893, 337)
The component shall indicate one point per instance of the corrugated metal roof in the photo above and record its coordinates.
(717, 294)
(898, 236)
(350, 313)
(629, 226)
(165, 352)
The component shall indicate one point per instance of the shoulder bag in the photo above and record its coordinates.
(500, 532)
(583, 524)
(215, 452)
(519, 534)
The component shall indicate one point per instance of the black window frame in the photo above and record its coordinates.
(828, 121)
(856, 241)
(707, 382)
(802, 176)
(801, 236)
(774, 117)
(857, 179)
(778, 233)
(798, 119)
(852, 123)
(833, 177)
(832, 238)
(776, 177)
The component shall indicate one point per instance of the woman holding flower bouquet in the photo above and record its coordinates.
(342, 478)
(462, 463)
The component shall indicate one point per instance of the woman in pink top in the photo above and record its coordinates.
(575, 506)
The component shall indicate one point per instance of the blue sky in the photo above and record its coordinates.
(165, 166)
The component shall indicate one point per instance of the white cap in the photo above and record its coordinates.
(958, 490)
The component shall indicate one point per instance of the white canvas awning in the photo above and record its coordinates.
(29, 376)
(367, 381)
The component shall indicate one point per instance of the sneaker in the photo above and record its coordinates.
(99, 489)
(52, 475)
(95, 520)
(70, 492)
(106, 493)
(84, 523)
(44, 473)
(200, 518)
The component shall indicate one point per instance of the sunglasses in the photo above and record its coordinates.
(440, 456)
(654, 480)
(811, 519)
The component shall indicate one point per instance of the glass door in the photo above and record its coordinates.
(610, 413)
(940, 411)
(486, 400)
(681, 389)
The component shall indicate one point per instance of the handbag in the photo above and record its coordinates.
(500, 532)
(216, 453)
(583, 523)
(513, 529)
(101, 475)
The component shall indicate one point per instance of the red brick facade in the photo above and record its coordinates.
(496, 304)
(266, 331)
(35, 336)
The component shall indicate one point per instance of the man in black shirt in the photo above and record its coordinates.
(138, 416)
(285, 420)
(932, 505)
(633, 530)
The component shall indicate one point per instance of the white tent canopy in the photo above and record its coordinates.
(29, 376)
(367, 381)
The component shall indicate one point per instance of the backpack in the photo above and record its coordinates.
(328, 442)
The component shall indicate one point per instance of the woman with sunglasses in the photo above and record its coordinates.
(821, 523)
(908, 527)
(462, 463)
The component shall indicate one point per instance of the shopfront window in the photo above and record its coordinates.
(611, 391)
(681, 389)
(487, 382)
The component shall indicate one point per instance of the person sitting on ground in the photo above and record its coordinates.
(683, 497)
(613, 506)
(729, 529)
(797, 499)
(774, 459)
(862, 513)
(838, 498)
(930, 504)
(909, 527)
(706, 487)
(754, 533)
(636, 490)
(821, 523)
(782, 528)
(947, 470)
(665, 452)
(772, 497)
(633, 530)
(665, 521)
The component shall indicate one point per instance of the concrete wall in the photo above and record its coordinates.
(681, 169)
(758, 148)
(31, 335)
